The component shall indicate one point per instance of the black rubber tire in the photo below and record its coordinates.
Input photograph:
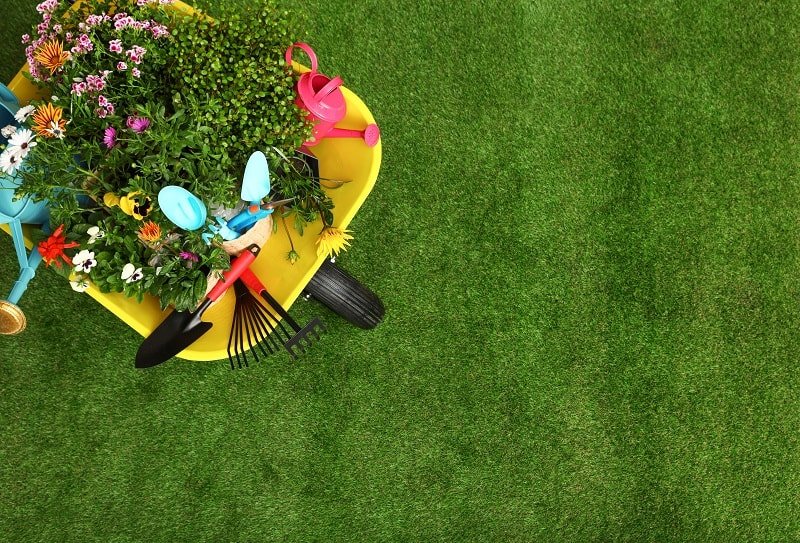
(344, 295)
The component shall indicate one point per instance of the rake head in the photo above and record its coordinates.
(303, 339)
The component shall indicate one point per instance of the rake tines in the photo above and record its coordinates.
(251, 323)
(257, 324)
(302, 337)
(315, 328)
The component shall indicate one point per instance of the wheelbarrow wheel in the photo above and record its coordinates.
(344, 295)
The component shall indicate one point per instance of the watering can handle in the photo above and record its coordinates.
(309, 51)
(329, 87)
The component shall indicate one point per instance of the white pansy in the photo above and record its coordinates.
(8, 130)
(9, 162)
(23, 113)
(95, 233)
(80, 284)
(84, 261)
(21, 142)
(131, 273)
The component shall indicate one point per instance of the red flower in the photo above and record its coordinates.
(53, 247)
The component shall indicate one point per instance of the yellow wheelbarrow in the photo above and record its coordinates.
(339, 158)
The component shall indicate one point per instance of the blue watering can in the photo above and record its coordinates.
(15, 214)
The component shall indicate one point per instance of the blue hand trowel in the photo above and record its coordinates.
(187, 211)
(255, 187)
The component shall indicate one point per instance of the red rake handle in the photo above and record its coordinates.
(238, 267)
(252, 281)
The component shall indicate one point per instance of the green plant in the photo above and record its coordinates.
(230, 73)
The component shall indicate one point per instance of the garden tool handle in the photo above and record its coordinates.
(309, 51)
(238, 267)
(252, 281)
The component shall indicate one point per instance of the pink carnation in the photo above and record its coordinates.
(135, 72)
(121, 66)
(26, 38)
(115, 46)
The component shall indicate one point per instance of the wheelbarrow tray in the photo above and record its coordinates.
(346, 159)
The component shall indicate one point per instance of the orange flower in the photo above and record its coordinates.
(150, 231)
(53, 247)
(47, 121)
(51, 55)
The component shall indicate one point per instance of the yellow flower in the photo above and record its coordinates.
(47, 121)
(135, 204)
(51, 55)
(150, 231)
(111, 199)
(332, 240)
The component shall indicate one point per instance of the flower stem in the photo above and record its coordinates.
(291, 243)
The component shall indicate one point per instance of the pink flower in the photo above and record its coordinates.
(110, 108)
(123, 22)
(135, 72)
(26, 38)
(94, 20)
(115, 46)
(69, 36)
(138, 124)
(57, 29)
(101, 112)
(136, 54)
(110, 137)
(121, 66)
(102, 101)
(95, 82)
(158, 30)
(187, 255)
(47, 6)
(78, 88)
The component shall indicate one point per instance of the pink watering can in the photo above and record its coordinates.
(322, 98)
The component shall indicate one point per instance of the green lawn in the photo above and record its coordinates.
(585, 231)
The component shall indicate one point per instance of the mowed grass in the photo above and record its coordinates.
(585, 231)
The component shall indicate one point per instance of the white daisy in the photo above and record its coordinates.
(22, 142)
(23, 113)
(9, 161)
(84, 261)
(131, 273)
(95, 233)
(8, 130)
(80, 284)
